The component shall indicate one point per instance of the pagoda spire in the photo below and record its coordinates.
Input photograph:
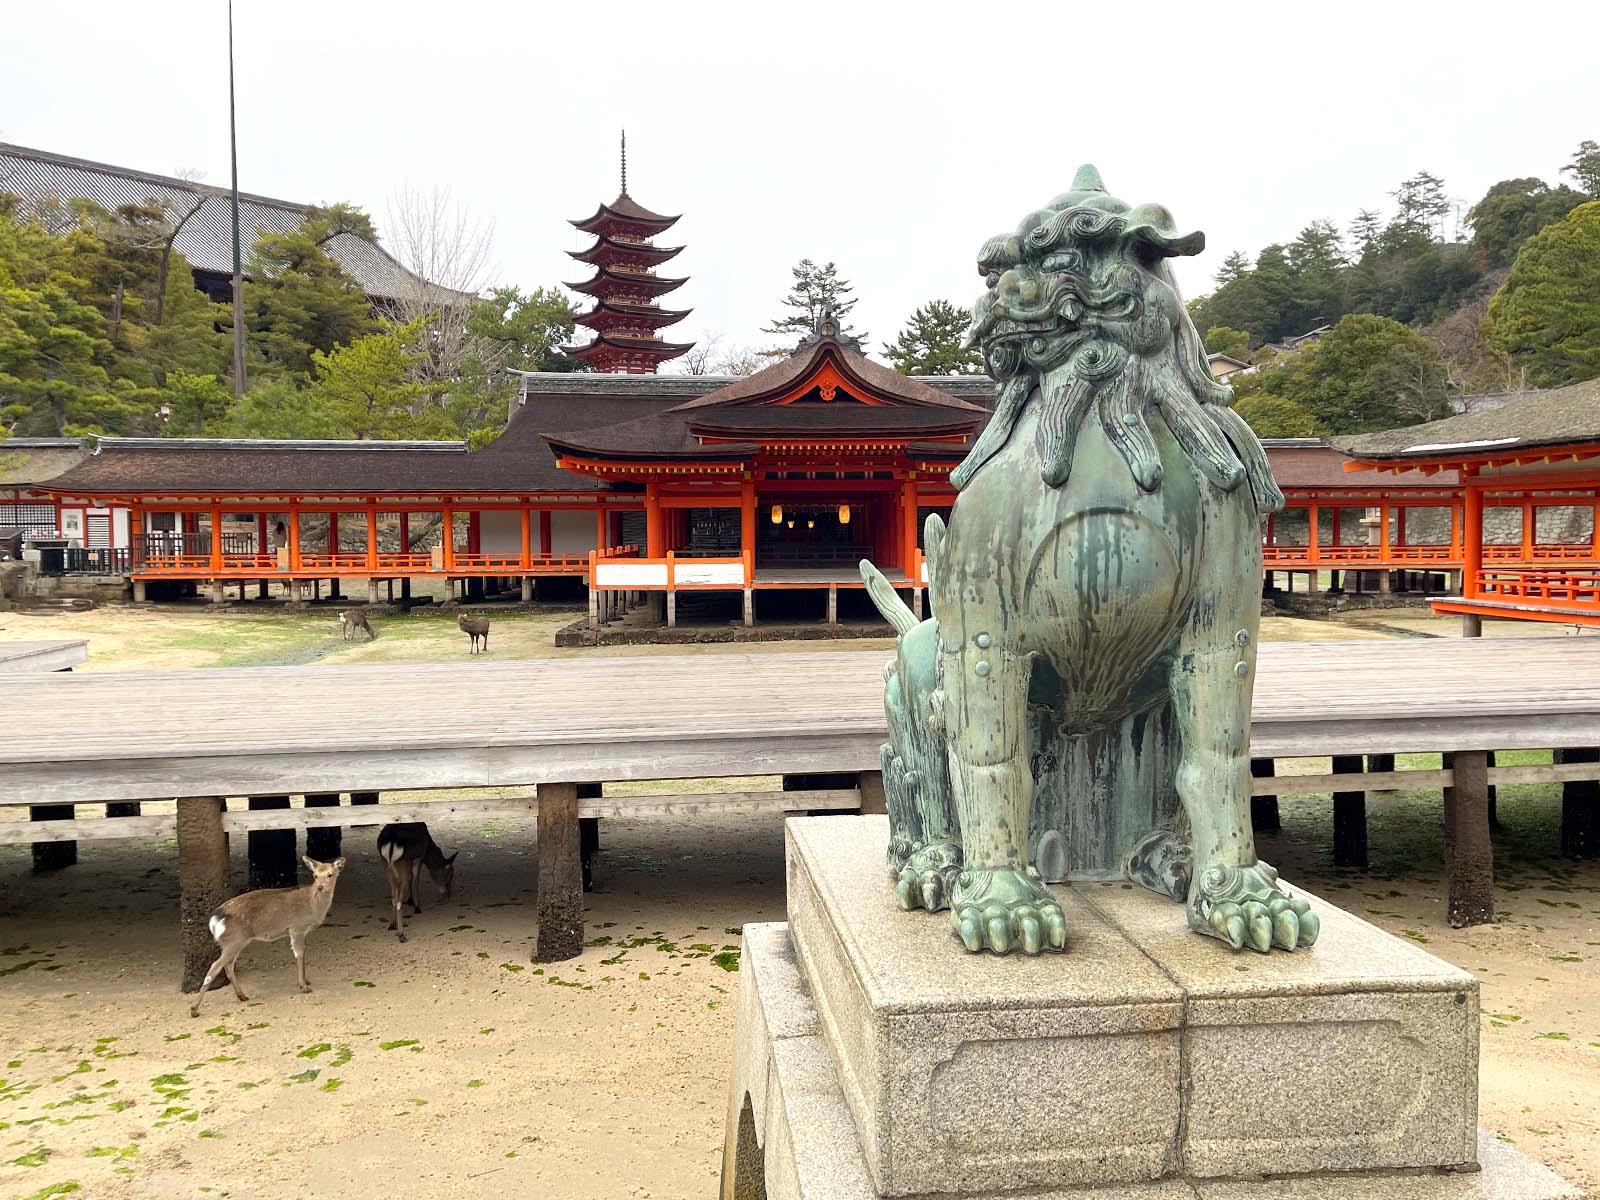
(626, 318)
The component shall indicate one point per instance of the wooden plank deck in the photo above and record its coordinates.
(43, 656)
(266, 730)
(200, 734)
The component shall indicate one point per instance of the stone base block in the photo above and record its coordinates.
(1145, 1052)
(792, 1135)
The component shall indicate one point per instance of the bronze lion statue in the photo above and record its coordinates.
(1078, 704)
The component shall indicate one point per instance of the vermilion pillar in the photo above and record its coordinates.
(546, 538)
(747, 527)
(1471, 539)
(527, 536)
(655, 542)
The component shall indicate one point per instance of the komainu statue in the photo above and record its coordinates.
(1078, 705)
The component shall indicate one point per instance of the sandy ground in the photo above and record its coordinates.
(454, 1060)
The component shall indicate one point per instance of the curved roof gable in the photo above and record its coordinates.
(827, 364)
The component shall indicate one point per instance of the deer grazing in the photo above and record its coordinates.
(406, 848)
(353, 619)
(476, 628)
(266, 916)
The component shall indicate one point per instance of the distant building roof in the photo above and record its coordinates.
(206, 238)
(35, 460)
(1560, 416)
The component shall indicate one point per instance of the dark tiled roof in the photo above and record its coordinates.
(206, 239)
(625, 209)
(1561, 416)
(907, 406)
(35, 460)
(1322, 466)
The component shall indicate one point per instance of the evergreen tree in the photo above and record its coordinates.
(1546, 317)
(368, 390)
(1420, 205)
(1511, 212)
(1585, 168)
(1273, 416)
(814, 290)
(1235, 343)
(932, 343)
(299, 302)
(1235, 266)
(1365, 231)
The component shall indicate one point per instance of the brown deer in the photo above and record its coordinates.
(476, 628)
(406, 848)
(354, 619)
(266, 916)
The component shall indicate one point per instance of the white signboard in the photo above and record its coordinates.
(630, 575)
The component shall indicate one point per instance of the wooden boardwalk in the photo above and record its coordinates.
(60, 655)
(203, 734)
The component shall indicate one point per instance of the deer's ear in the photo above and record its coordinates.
(337, 864)
(311, 863)
(451, 860)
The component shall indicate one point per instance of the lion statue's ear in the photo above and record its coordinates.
(1153, 225)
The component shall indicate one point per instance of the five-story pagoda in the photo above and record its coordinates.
(626, 319)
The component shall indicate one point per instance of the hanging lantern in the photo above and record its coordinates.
(844, 514)
(777, 514)
(791, 523)
(811, 523)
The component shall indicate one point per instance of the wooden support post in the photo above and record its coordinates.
(873, 801)
(272, 852)
(1580, 808)
(52, 856)
(833, 604)
(218, 599)
(202, 882)
(139, 592)
(1471, 625)
(749, 607)
(323, 842)
(916, 601)
(1264, 809)
(672, 610)
(558, 894)
(527, 589)
(1469, 853)
(1349, 817)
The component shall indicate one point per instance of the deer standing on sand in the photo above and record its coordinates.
(406, 848)
(354, 619)
(476, 628)
(266, 916)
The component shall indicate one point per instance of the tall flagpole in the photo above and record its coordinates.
(238, 270)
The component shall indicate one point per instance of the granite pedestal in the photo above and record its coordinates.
(876, 1058)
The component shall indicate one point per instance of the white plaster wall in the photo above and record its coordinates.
(119, 528)
(500, 532)
(570, 533)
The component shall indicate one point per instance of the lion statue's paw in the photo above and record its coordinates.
(926, 878)
(1003, 909)
(1246, 906)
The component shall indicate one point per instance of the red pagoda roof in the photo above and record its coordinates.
(625, 214)
(610, 314)
(605, 284)
(606, 251)
(606, 349)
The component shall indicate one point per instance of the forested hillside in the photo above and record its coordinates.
(1436, 299)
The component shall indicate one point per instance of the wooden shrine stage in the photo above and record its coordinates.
(557, 725)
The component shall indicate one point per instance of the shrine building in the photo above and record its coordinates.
(640, 486)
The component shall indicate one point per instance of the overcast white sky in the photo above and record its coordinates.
(890, 139)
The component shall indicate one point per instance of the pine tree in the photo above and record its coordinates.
(814, 290)
(1547, 316)
(1585, 168)
(1235, 266)
(933, 343)
(299, 301)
